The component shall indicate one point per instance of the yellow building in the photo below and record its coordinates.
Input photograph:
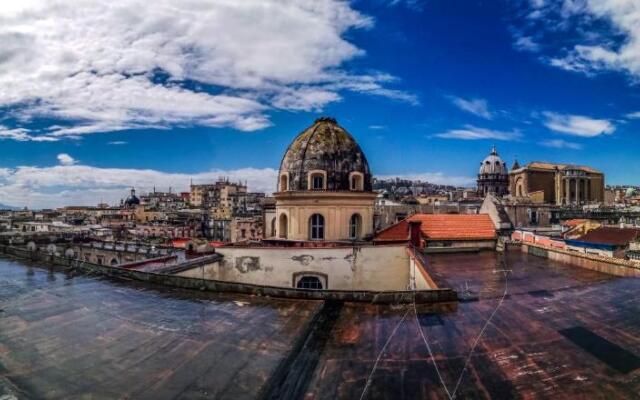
(560, 184)
(324, 187)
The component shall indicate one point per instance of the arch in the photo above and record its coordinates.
(273, 227)
(309, 280)
(356, 181)
(284, 182)
(316, 227)
(283, 226)
(114, 262)
(519, 187)
(355, 226)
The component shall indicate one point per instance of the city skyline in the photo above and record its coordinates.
(425, 87)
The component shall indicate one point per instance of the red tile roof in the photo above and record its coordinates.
(443, 227)
(456, 226)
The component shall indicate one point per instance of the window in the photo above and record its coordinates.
(243, 232)
(309, 282)
(316, 227)
(317, 182)
(284, 182)
(356, 181)
(354, 226)
(283, 226)
(273, 227)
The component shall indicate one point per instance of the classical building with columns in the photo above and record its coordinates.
(560, 184)
(324, 187)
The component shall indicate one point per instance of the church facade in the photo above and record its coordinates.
(560, 184)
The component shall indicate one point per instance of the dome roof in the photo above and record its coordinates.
(328, 147)
(493, 164)
(132, 200)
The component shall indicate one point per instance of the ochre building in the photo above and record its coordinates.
(324, 187)
(561, 184)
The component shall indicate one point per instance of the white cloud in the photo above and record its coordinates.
(633, 115)
(66, 159)
(526, 43)
(578, 125)
(117, 142)
(61, 185)
(595, 48)
(562, 144)
(22, 135)
(478, 107)
(471, 132)
(108, 66)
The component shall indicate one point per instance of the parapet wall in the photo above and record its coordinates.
(381, 297)
(607, 265)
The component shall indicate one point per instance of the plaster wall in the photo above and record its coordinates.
(352, 268)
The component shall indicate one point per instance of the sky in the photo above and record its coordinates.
(97, 97)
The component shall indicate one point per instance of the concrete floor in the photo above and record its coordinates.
(561, 333)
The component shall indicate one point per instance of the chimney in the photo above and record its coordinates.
(415, 234)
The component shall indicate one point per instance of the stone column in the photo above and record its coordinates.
(577, 190)
(567, 192)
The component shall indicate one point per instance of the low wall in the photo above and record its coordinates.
(381, 297)
(379, 268)
(607, 265)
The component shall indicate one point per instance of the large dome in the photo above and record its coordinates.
(493, 164)
(328, 147)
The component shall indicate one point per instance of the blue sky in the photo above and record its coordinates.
(119, 98)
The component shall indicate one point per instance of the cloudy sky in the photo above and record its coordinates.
(99, 96)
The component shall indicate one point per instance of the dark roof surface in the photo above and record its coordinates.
(610, 235)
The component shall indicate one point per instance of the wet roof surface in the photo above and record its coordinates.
(560, 332)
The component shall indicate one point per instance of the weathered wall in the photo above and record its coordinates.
(462, 244)
(351, 268)
(612, 266)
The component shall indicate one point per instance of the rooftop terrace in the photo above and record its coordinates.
(560, 332)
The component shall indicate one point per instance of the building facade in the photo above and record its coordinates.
(560, 184)
(324, 187)
(493, 176)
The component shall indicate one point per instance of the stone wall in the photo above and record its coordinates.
(607, 265)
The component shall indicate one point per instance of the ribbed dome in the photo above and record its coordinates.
(493, 164)
(325, 146)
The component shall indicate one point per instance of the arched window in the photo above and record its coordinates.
(273, 227)
(284, 182)
(355, 223)
(356, 181)
(309, 282)
(316, 227)
(283, 226)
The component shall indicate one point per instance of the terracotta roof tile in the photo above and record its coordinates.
(443, 227)
(456, 226)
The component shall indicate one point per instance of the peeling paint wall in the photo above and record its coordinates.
(352, 268)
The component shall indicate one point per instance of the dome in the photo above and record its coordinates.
(630, 192)
(493, 164)
(327, 148)
(132, 200)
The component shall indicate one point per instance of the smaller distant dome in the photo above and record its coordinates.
(630, 192)
(132, 200)
(493, 164)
